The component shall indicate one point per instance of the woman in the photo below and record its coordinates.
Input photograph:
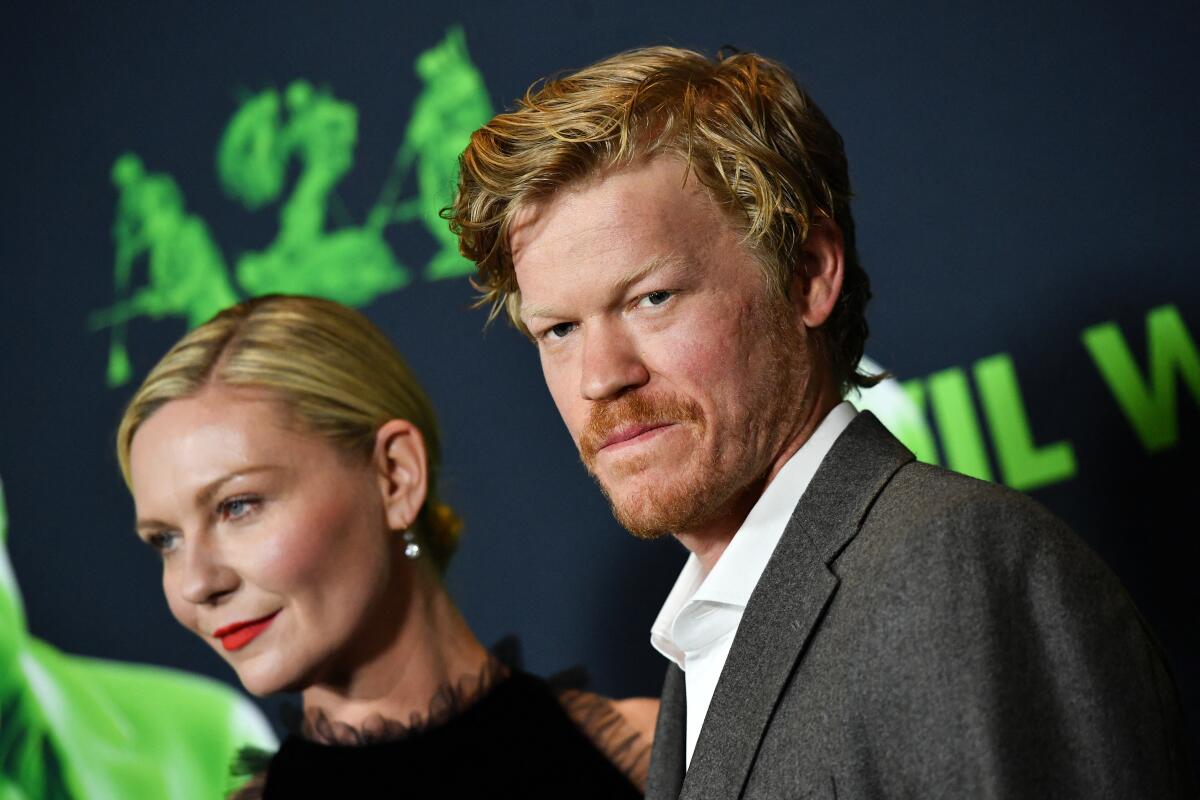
(283, 462)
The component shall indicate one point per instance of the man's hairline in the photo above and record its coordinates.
(529, 203)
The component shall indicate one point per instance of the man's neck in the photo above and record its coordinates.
(708, 542)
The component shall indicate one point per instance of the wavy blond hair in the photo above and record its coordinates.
(337, 374)
(758, 143)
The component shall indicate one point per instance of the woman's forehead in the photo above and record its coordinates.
(190, 439)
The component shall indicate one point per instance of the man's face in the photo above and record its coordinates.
(675, 368)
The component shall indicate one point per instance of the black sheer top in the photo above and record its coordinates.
(508, 735)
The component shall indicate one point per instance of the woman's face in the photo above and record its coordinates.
(275, 545)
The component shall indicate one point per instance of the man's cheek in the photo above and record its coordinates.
(575, 423)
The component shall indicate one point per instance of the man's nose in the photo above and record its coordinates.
(207, 577)
(612, 364)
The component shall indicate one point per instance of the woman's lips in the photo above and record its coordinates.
(240, 634)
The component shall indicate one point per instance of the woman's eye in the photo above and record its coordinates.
(654, 298)
(236, 508)
(162, 542)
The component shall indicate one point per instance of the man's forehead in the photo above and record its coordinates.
(651, 196)
(523, 227)
(568, 211)
(655, 191)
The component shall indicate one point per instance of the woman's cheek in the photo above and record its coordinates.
(312, 540)
(292, 557)
(183, 612)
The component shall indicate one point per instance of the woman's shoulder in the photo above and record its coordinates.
(622, 730)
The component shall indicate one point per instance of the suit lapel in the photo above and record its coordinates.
(666, 758)
(787, 605)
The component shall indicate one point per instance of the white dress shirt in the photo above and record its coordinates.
(697, 623)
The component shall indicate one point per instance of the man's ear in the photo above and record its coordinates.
(402, 469)
(817, 280)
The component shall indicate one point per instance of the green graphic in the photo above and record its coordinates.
(919, 438)
(185, 271)
(351, 265)
(454, 104)
(1149, 403)
(73, 727)
(308, 127)
(962, 440)
(1148, 398)
(1023, 465)
(901, 408)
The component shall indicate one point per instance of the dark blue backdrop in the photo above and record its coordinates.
(1022, 173)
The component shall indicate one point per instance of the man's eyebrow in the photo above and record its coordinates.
(655, 264)
(533, 312)
(206, 493)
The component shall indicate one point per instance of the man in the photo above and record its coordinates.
(675, 235)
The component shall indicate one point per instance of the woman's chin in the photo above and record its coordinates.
(263, 682)
(258, 687)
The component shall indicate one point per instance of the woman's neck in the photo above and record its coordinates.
(432, 647)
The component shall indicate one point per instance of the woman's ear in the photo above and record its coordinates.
(402, 468)
(817, 282)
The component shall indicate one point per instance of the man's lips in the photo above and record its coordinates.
(629, 434)
(240, 634)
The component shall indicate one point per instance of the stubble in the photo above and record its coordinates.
(699, 492)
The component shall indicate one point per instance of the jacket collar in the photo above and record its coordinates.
(787, 605)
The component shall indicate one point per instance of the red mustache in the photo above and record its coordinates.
(629, 410)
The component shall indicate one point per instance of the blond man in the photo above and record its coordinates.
(674, 233)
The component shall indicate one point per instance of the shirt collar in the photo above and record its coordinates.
(737, 571)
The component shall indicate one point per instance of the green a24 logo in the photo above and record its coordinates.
(186, 272)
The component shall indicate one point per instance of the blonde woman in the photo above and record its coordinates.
(283, 461)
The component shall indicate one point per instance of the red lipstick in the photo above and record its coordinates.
(240, 634)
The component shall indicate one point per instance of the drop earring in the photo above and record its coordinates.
(412, 550)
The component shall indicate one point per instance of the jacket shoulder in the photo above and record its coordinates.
(976, 605)
(925, 510)
(934, 540)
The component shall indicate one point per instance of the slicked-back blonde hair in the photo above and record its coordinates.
(757, 142)
(338, 376)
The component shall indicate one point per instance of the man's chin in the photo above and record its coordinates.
(641, 525)
(654, 509)
(629, 476)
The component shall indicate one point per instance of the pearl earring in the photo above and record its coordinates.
(412, 549)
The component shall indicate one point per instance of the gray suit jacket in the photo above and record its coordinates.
(920, 634)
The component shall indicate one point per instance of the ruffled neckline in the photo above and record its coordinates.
(448, 702)
(595, 716)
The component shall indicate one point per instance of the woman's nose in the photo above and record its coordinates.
(207, 577)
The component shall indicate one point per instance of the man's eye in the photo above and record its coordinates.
(654, 298)
(559, 331)
(236, 508)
